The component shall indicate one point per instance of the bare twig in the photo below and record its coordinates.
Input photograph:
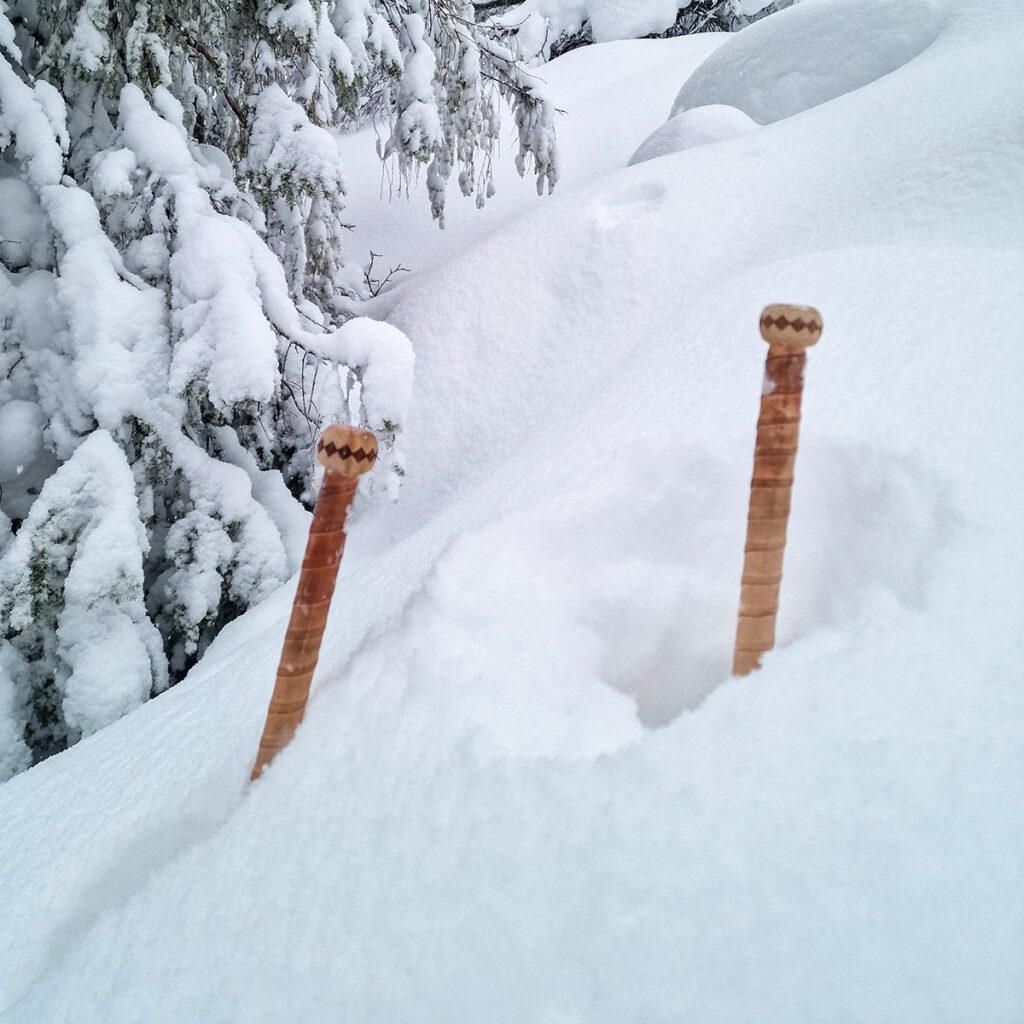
(376, 285)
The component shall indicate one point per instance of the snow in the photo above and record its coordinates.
(110, 655)
(627, 19)
(88, 47)
(749, 8)
(811, 53)
(111, 173)
(14, 755)
(114, 652)
(384, 355)
(39, 115)
(7, 40)
(21, 437)
(526, 789)
(695, 127)
(298, 19)
(21, 223)
(114, 333)
(287, 147)
(643, 80)
(418, 124)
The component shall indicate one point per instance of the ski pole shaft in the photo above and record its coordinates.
(345, 453)
(789, 331)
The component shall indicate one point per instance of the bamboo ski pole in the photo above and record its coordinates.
(789, 331)
(345, 453)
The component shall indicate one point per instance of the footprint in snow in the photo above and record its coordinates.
(627, 204)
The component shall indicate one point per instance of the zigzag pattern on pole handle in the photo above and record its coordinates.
(789, 331)
(345, 453)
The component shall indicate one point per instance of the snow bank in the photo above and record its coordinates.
(695, 127)
(811, 53)
(474, 823)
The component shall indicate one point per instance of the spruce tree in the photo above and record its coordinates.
(176, 318)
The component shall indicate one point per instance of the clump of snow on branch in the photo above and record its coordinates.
(447, 105)
(72, 585)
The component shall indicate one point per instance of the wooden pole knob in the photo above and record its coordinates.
(793, 328)
(789, 331)
(346, 453)
(349, 451)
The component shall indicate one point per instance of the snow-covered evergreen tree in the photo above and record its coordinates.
(82, 647)
(176, 319)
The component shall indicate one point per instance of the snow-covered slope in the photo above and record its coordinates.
(495, 811)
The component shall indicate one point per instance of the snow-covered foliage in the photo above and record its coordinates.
(72, 591)
(172, 275)
(543, 29)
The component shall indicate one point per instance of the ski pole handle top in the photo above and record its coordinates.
(346, 450)
(792, 328)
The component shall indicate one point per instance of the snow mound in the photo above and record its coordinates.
(694, 127)
(811, 53)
